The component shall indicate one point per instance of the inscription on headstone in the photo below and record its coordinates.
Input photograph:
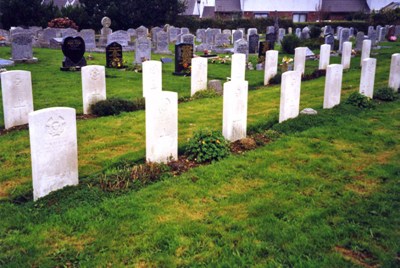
(114, 58)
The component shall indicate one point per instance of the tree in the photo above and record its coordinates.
(26, 13)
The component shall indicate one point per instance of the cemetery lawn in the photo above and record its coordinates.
(325, 194)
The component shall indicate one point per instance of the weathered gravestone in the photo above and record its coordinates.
(54, 150)
(372, 36)
(151, 78)
(162, 43)
(17, 97)
(368, 77)
(271, 65)
(366, 50)
(344, 37)
(201, 35)
(105, 31)
(185, 30)
(142, 32)
(346, 55)
(199, 75)
(227, 32)
(298, 32)
(142, 50)
(359, 40)
(21, 48)
(290, 95)
(173, 34)
(93, 86)
(234, 122)
(162, 127)
(183, 59)
(68, 32)
(241, 46)
(394, 76)
(324, 56)
(56, 43)
(88, 36)
(47, 35)
(222, 40)
(120, 37)
(253, 43)
(300, 59)
(132, 33)
(154, 31)
(305, 33)
(333, 85)
(370, 29)
(236, 35)
(330, 40)
(209, 37)
(114, 58)
(73, 49)
(187, 39)
(281, 35)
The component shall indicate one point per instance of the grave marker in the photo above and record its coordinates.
(238, 67)
(346, 55)
(290, 95)
(199, 74)
(114, 58)
(93, 86)
(183, 59)
(300, 59)
(394, 76)
(324, 57)
(152, 77)
(368, 77)
(271, 65)
(333, 85)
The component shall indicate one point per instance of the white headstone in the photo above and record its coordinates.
(346, 55)
(152, 77)
(17, 97)
(333, 85)
(368, 77)
(54, 149)
(300, 59)
(290, 95)
(162, 127)
(238, 68)
(324, 57)
(93, 86)
(394, 76)
(271, 65)
(199, 74)
(366, 50)
(234, 122)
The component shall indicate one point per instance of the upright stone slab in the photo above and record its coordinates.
(152, 77)
(54, 150)
(132, 33)
(343, 37)
(394, 76)
(290, 95)
(93, 86)
(173, 33)
(21, 48)
(227, 32)
(330, 40)
(201, 35)
(271, 65)
(188, 39)
(114, 56)
(16, 88)
(154, 32)
(162, 43)
(359, 41)
(142, 32)
(209, 37)
(199, 74)
(73, 49)
(300, 59)
(346, 55)
(185, 30)
(183, 59)
(373, 37)
(222, 40)
(47, 35)
(236, 35)
(253, 43)
(366, 50)
(234, 124)
(120, 37)
(324, 57)
(368, 77)
(105, 31)
(68, 32)
(298, 32)
(162, 127)
(142, 50)
(241, 46)
(333, 85)
(238, 67)
(88, 36)
(281, 35)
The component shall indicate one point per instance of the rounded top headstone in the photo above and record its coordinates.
(106, 22)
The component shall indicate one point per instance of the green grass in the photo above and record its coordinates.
(325, 194)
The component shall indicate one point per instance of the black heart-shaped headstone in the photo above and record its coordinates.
(73, 48)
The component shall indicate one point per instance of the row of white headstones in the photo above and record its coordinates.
(53, 133)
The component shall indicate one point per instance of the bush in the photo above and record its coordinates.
(62, 23)
(385, 94)
(207, 146)
(360, 101)
(315, 32)
(203, 94)
(115, 106)
(312, 43)
(289, 43)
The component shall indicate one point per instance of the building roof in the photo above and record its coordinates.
(61, 3)
(208, 12)
(391, 6)
(344, 5)
(189, 11)
(378, 4)
(227, 6)
(280, 5)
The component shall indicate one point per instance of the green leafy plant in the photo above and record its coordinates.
(203, 94)
(206, 146)
(289, 43)
(385, 94)
(360, 101)
(115, 106)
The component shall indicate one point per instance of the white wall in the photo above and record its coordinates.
(282, 5)
(378, 4)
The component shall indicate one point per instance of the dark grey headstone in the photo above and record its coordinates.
(21, 47)
(162, 43)
(359, 40)
(114, 56)
(241, 46)
(253, 43)
(237, 35)
(183, 59)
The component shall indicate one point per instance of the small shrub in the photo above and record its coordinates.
(115, 106)
(272, 135)
(360, 101)
(299, 124)
(312, 43)
(207, 146)
(385, 94)
(315, 32)
(289, 43)
(203, 94)
(149, 172)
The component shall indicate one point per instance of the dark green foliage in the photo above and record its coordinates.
(315, 32)
(115, 106)
(387, 17)
(276, 79)
(360, 101)
(271, 134)
(203, 94)
(312, 43)
(385, 94)
(299, 124)
(289, 43)
(206, 146)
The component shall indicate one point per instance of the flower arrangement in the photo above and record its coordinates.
(187, 68)
(286, 64)
(392, 38)
(62, 23)
(221, 60)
